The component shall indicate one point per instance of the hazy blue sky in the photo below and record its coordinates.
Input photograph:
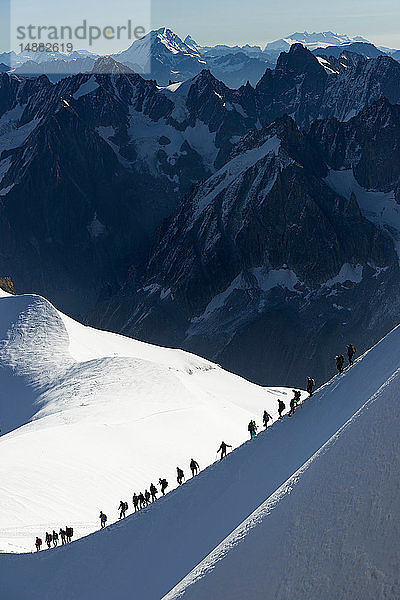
(259, 21)
(231, 21)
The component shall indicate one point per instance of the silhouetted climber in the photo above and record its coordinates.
(38, 544)
(103, 519)
(153, 492)
(179, 475)
(164, 484)
(266, 418)
(142, 501)
(123, 507)
(194, 467)
(69, 532)
(281, 408)
(135, 500)
(350, 353)
(340, 363)
(49, 539)
(252, 428)
(310, 385)
(55, 538)
(222, 449)
(292, 407)
(147, 497)
(297, 397)
(62, 534)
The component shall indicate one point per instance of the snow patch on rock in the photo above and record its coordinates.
(89, 86)
(352, 273)
(379, 207)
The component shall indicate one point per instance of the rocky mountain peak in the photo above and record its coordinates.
(107, 65)
(298, 60)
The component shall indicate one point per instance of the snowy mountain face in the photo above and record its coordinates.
(112, 412)
(163, 56)
(330, 530)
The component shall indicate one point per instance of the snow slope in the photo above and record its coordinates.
(332, 529)
(93, 416)
(305, 468)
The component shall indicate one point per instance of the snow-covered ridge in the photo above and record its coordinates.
(330, 530)
(112, 413)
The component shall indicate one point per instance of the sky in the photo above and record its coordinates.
(214, 21)
(260, 21)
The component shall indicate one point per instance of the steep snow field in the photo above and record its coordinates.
(313, 504)
(331, 530)
(93, 416)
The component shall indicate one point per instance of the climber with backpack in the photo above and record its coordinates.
(147, 497)
(223, 448)
(123, 507)
(38, 544)
(252, 429)
(62, 534)
(297, 397)
(281, 408)
(194, 467)
(142, 501)
(135, 500)
(55, 538)
(103, 519)
(340, 363)
(266, 418)
(292, 406)
(179, 475)
(153, 492)
(310, 385)
(164, 484)
(351, 350)
(69, 532)
(49, 539)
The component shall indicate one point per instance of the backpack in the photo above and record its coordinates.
(55, 536)
(125, 506)
(70, 532)
(39, 541)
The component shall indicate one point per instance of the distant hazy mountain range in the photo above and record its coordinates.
(164, 56)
